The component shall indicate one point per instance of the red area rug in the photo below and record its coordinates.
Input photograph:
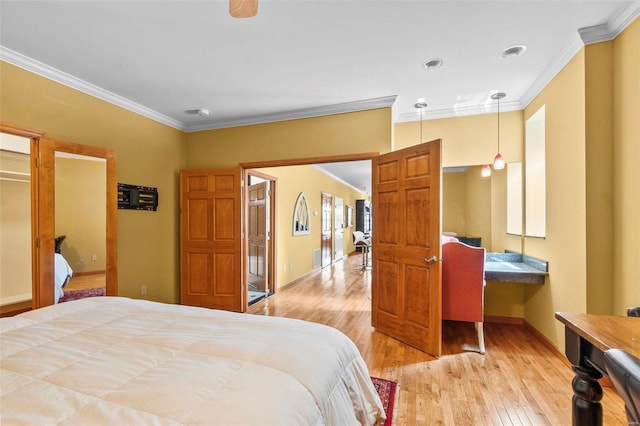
(80, 294)
(388, 393)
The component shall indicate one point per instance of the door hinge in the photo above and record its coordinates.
(269, 193)
(37, 242)
(241, 183)
(37, 162)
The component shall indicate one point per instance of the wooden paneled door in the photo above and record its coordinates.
(338, 232)
(210, 239)
(406, 274)
(326, 243)
(257, 228)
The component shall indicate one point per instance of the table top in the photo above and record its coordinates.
(515, 272)
(605, 331)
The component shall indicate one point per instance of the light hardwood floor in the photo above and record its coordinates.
(519, 381)
(87, 281)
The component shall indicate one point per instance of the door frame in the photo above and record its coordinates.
(325, 196)
(249, 168)
(272, 240)
(42, 155)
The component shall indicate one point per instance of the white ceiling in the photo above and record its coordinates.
(300, 58)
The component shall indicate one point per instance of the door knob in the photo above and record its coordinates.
(432, 259)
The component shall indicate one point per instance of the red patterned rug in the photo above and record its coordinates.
(388, 393)
(80, 294)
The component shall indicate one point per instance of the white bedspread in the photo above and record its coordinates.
(62, 273)
(110, 360)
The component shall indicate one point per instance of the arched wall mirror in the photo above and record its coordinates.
(63, 204)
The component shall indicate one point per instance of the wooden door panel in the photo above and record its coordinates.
(224, 212)
(197, 269)
(406, 289)
(387, 272)
(417, 217)
(387, 209)
(210, 238)
(198, 220)
(417, 276)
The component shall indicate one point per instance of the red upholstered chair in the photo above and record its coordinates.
(463, 285)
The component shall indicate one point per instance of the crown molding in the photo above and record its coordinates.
(460, 112)
(570, 49)
(363, 105)
(68, 80)
(583, 37)
(610, 30)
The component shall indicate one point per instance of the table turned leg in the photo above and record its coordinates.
(587, 394)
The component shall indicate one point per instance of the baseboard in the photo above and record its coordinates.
(545, 341)
(300, 278)
(12, 309)
(82, 274)
(604, 381)
(495, 319)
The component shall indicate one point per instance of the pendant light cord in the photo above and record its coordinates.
(421, 119)
(498, 125)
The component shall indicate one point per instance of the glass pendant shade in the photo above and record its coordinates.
(498, 161)
(485, 171)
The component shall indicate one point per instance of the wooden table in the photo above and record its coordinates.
(587, 336)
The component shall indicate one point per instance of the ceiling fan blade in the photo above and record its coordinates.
(243, 8)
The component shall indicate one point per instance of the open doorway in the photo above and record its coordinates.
(292, 254)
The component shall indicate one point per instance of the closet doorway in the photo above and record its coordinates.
(15, 224)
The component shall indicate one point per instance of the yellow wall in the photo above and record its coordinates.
(593, 184)
(626, 177)
(81, 212)
(339, 134)
(599, 177)
(453, 203)
(148, 154)
(469, 140)
(466, 204)
(294, 253)
(565, 242)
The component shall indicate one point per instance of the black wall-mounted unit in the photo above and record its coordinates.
(137, 197)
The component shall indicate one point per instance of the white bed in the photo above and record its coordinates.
(112, 360)
(62, 274)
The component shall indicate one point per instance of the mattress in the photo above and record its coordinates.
(112, 360)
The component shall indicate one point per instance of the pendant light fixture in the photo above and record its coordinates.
(485, 171)
(421, 106)
(498, 161)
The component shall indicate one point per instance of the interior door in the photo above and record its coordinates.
(211, 253)
(327, 225)
(406, 277)
(338, 232)
(257, 221)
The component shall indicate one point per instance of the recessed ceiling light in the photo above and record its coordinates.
(199, 111)
(432, 64)
(516, 50)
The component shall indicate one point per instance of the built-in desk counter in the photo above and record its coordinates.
(514, 268)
